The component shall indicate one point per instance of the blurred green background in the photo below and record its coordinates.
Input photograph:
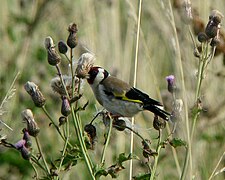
(108, 29)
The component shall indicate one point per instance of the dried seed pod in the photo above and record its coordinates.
(62, 120)
(177, 109)
(72, 38)
(216, 16)
(32, 126)
(49, 43)
(65, 108)
(57, 85)
(120, 125)
(85, 62)
(202, 37)
(211, 29)
(159, 123)
(53, 57)
(215, 41)
(36, 95)
(62, 47)
(91, 132)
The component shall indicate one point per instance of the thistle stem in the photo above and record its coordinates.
(42, 155)
(153, 172)
(107, 142)
(82, 143)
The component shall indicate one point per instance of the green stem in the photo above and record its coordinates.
(42, 155)
(72, 73)
(107, 142)
(35, 170)
(156, 159)
(61, 79)
(201, 68)
(82, 143)
(52, 121)
(184, 170)
(35, 160)
(65, 146)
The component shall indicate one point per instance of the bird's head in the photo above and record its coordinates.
(97, 75)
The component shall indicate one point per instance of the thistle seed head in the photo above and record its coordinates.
(32, 127)
(85, 62)
(36, 95)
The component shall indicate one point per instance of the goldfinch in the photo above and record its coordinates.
(119, 98)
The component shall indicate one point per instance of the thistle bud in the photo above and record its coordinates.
(36, 95)
(91, 133)
(19, 144)
(32, 127)
(216, 16)
(25, 152)
(27, 138)
(57, 85)
(202, 37)
(85, 63)
(215, 41)
(120, 125)
(62, 120)
(177, 109)
(72, 38)
(90, 130)
(65, 108)
(62, 47)
(159, 123)
(213, 25)
(211, 29)
(171, 83)
(53, 56)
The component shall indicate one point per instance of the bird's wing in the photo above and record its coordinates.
(121, 90)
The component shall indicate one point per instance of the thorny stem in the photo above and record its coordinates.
(107, 142)
(42, 155)
(134, 83)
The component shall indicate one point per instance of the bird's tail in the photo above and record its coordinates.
(157, 111)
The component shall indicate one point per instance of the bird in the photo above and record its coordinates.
(119, 98)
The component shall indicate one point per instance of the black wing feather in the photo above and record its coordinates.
(136, 94)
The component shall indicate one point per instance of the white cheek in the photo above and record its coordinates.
(99, 78)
